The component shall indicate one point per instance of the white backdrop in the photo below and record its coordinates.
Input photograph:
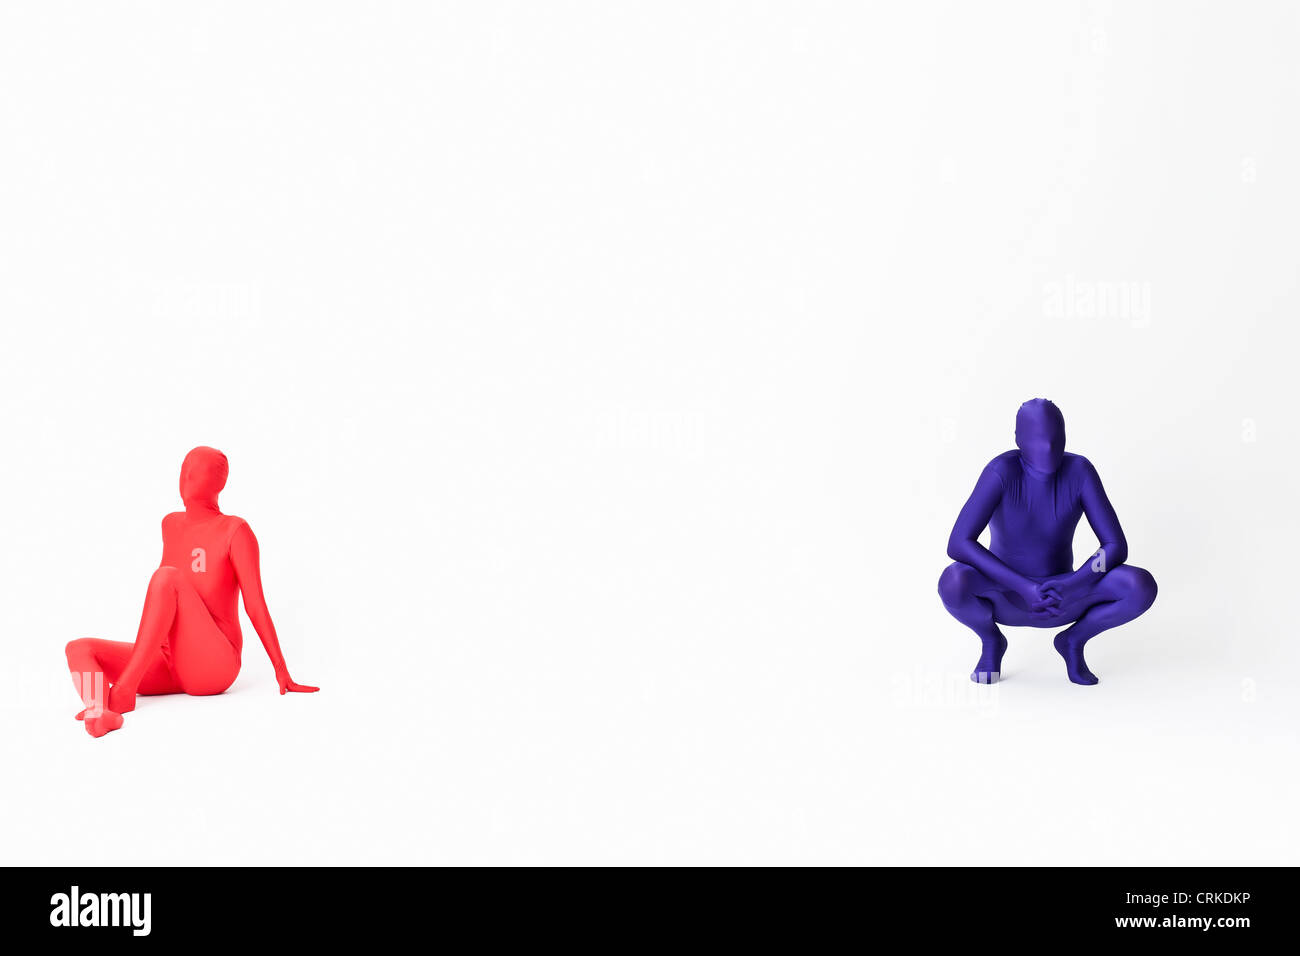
(602, 380)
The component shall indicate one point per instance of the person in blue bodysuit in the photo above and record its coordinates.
(1032, 498)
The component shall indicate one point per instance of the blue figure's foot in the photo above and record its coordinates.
(989, 668)
(1072, 652)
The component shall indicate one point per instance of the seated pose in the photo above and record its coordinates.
(1032, 498)
(189, 640)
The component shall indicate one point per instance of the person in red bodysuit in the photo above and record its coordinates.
(189, 640)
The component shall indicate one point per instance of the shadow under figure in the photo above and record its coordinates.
(189, 640)
(1032, 499)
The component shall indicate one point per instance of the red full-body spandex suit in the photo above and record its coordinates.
(189, 640)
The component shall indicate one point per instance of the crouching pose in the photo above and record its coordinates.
(1032, 498)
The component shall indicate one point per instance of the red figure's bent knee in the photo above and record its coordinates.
(79, 652)
(166, 577)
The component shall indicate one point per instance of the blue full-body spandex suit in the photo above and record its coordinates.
(1031, 498)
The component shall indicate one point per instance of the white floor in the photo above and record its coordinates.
(794, 756)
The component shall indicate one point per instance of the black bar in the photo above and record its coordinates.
(217, 906)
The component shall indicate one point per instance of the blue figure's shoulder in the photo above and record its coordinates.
(1073, 465)
(1006, 466)
(1077, 473)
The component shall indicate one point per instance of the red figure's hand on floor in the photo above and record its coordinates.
(189, 639)
(287, 684)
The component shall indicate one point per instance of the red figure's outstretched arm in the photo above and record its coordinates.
(244, 555)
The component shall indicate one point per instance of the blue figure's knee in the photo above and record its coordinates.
(956, 583)
(1138, 586)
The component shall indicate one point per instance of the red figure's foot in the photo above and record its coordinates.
(119, 701)
(81, 715)
(104, 723)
